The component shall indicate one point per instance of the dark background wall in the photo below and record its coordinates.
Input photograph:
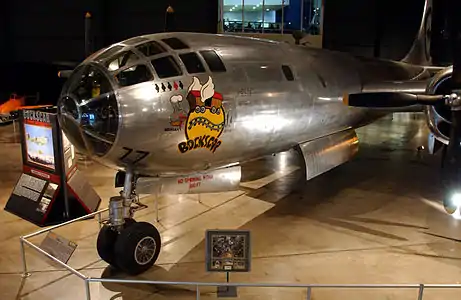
(34, 35)
(382, 28)
(53, 30)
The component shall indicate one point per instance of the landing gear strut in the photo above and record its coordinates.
(125, 244)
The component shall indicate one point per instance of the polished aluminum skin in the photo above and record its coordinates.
(324, 154)
(264, 112)
(126, 106)
(220, 180)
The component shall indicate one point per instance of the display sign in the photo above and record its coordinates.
(50, 190)
(69, 154)
(29, 187)
(39, 141)
(83, 191)
(33, 195)
(228, 251)
(58, 246)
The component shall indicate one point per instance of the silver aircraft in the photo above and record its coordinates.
(179, 113)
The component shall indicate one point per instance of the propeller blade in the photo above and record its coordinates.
(390, 99)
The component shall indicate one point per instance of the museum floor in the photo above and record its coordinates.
(373, 220)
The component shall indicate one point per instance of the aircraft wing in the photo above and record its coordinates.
(413, 87)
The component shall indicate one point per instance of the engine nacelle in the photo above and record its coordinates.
(438, 117)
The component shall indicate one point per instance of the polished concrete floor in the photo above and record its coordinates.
(376, 219)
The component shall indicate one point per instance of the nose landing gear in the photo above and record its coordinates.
(125, 244)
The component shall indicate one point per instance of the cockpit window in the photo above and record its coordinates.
(166, 67)
(214, 62)
(91, 84)
(121, 60)
(151, 48)
(134, 75)
(192, 63)
(134, 41)
(108, 53)
(175, 43)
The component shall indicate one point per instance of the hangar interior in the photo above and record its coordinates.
(377, 219)
(353, 225)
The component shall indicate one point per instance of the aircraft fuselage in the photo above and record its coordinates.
(261, 109)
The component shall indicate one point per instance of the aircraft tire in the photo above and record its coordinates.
(106, 242)
(137, 248)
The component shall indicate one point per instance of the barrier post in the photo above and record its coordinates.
(87, 289)
(99, 221)
(420, 293)
(25, 274)
(309, 292)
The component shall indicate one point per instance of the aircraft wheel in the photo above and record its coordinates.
(106, 241)
(137, 248)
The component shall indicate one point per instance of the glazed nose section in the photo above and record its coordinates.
(88, 111)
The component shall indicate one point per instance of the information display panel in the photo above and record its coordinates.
(32, 196)
(228, 251)
(40, 140)
(50, 190)
(58, 246)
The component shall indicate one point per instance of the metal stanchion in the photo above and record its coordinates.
(420, 293)
(156, 209)
(14, 130)
(99, 221)
(87, 289)
(197, 292)
(25, 274)
(309, 293)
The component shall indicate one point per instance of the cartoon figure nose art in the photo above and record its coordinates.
(205, 121)
(179, 115)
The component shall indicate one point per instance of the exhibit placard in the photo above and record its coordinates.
(31, 197)
(51, 189)
(68, 154)
(29, 187)
(58, 246)
(39, 141)
(228, 251)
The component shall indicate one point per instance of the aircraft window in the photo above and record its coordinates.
(134, 40)
(288, 73)
(214, 62)
(151, 48)
(123, 59)
(192, 63)
(166, 67)
(91, 84)
(109, 52)
(175, 43)
(263, 72)
(134, 75)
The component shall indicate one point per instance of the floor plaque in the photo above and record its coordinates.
(58, 247)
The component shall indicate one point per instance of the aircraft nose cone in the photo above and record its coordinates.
(88, 111)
